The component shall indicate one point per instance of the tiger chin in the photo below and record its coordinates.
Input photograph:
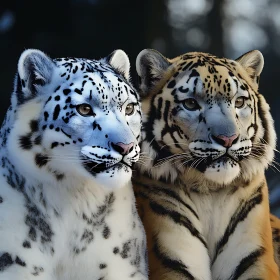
(207, 138)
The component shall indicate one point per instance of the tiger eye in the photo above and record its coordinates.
(190, 104)
(240, 102)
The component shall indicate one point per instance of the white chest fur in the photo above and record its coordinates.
(71, 234)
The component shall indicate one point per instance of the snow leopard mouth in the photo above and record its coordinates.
(95, 167)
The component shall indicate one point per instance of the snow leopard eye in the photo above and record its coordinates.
(129, 110)
(85, 110)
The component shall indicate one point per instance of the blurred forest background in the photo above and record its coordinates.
(94, 28)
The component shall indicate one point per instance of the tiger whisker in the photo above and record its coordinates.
(175, 143)
(171, 157)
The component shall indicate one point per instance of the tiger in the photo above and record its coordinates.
(208, 137)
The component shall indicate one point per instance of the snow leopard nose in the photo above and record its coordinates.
(225, 140)
(122, 148)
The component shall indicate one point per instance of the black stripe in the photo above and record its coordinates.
(246, 263)
(178, 219)
(171, 264)
(240, 215)
(167, 128)
(263, 117)
(148, 127)
(166, 110)
(159, 108)
(254, 122)
(170, 193)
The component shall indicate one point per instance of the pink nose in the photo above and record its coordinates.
(122, 148)
(225, 140)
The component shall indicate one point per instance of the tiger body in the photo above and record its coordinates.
(201, 193)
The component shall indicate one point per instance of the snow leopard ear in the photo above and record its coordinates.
(150, 66)
(253, 63)
(120, 62)
(34, 70)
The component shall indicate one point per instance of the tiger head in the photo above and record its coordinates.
(204, 118)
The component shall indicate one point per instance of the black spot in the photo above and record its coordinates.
(23, 83)
(59, 177)
(41, 160)
(102, 265)
(51, 126)
(56, 112)
(96, 125)
(78, 91)
(66, 91)
(37, 270)
(76, 250)
(57, 98)
(1, 199)
(34, 125)
(194, 73)
(54, 144)
(116, 250)
(5, 261)
(183, 90)
(26, 244)
(66, 120)
(125, 250)
(106, 232)
(20, 261)
(87, 235)
(32, 234)
(46, 115)
(25, 142)
(171, 84)
(68, 100)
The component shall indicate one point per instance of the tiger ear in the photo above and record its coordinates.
(120, 62)
(34, 70)
(253, 63)
(150, 67)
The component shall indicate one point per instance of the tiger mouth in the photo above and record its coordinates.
(94, 167)
(208, 161)
(224, 158)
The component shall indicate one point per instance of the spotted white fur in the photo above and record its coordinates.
(67, 210)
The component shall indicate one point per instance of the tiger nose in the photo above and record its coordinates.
(123, 148)
(225, 140)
